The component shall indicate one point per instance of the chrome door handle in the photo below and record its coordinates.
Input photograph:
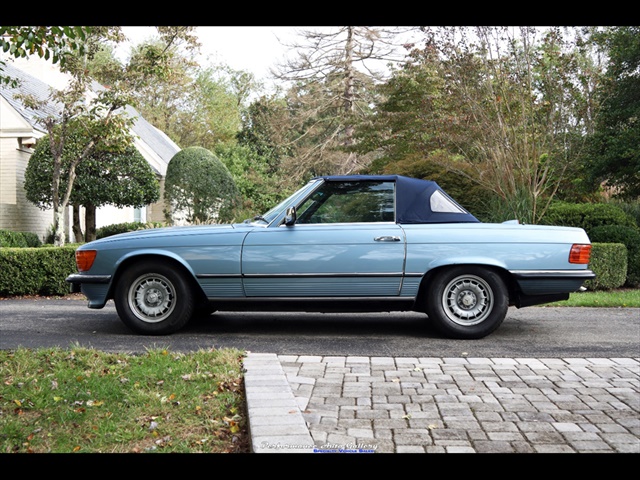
(387, 238)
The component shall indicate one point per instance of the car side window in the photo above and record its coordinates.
(349, 202)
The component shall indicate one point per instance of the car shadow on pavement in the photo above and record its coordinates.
(305, 324)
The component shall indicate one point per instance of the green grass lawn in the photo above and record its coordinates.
(626, 298)
(86, 401)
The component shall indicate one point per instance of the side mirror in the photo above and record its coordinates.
(290, 216)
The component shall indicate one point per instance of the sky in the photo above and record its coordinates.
(254, 49)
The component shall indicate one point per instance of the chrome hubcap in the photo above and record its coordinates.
(152, 298)
(467, 300)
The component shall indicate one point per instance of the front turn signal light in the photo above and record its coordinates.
(580, 253)
(84, 259)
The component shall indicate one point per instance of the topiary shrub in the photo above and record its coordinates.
(199, 187)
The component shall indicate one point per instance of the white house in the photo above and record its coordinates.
(19, 130)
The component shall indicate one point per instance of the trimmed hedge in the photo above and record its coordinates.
(609, 263)
(36, 271)
(587, 215)
(628, 236)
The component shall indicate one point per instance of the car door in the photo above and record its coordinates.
(345, 243)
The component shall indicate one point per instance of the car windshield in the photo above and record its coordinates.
(271, 215)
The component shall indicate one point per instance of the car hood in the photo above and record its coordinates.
(174, 232)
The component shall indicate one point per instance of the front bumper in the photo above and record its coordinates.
(94, 287)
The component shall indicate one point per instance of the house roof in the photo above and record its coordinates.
(158, 144)
(28, 85)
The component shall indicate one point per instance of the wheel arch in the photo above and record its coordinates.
(429, 277)
(178, 263)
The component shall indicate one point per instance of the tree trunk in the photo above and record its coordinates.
(77, 229)
(90, 222)
(58, 226)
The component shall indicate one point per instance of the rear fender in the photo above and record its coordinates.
(495, 266)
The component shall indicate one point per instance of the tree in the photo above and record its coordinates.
(199, 186)
(259, 187)
(95, 128)
(193, 105)
(211, 112)
(503, 107)
(331, 82)
(121, 179)
(100, 124)
(614, 155)
(267, 130)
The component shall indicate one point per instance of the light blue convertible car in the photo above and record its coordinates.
(339, 244)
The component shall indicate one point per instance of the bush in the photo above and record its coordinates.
(117, 228)
(36, 271)
(9, 238)
(628, 236)
(630, 208)
(609, 263)
(587, 215)
(199, 188)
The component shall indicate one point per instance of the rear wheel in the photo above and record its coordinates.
(467, 302)
(153, 299)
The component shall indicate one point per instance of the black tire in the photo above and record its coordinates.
(467, 302)
(153, 298)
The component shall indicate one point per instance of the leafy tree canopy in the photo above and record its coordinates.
(53, 43)
(502, 107)
(121, 179)
(615, 146)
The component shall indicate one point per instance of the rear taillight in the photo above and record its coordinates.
(580, 253)
(84, 259)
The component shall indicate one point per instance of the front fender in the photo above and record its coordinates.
(151, 252)
(133, 256)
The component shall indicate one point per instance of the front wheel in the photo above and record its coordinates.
(153, 299)
(467, 302)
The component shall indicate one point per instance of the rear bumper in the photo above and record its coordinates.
(550, 282)
(553, 274)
